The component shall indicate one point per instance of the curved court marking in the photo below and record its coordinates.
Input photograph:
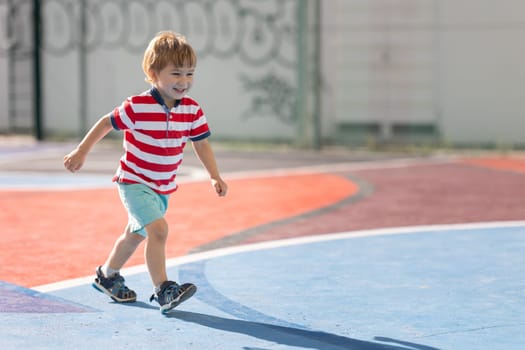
(375, 313)
(26, 180)
(64, 181)
(368, 308)
(343, 167)
(16, 299)
(286, 242)
(35, 181)
(423, 277)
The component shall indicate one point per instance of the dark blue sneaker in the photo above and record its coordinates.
(114, 287)
(171, 294)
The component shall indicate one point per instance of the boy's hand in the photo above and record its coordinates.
(220, 186)
(74, 160)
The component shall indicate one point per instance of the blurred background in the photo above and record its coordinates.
(308, 73)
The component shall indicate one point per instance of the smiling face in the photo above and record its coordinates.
(169, 63)
(173, 82)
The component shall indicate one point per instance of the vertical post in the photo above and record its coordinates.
(317, 143)
(11, 111)
(37, 74)
(437, 73)
(308, 74)
(82, 64)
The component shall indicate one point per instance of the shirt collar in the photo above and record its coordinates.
(157, 96)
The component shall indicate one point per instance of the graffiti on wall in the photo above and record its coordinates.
(272, 95)
(259, 33)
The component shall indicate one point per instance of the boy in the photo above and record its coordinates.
(156, 124)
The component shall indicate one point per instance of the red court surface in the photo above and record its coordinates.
(500, 163)
(64, 234)
(51, 235)
(383, 247)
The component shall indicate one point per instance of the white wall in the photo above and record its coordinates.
(379, 62)
(459, 64)
(456, 64)
(234, 43)
(482, 66)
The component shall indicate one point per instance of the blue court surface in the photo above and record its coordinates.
(425, 288)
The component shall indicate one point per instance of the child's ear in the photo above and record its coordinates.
(152, 76)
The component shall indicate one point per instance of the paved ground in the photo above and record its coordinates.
(366, 266)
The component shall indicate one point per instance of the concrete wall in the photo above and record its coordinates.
(482, 70)
(445, 70)
(245, 77)
(379, 62)
(455, 65)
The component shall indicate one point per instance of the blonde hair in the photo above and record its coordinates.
(165, 48)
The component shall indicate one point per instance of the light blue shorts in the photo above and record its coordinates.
(143, 205)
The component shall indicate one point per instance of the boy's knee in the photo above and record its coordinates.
(132, 238)
(158, 229)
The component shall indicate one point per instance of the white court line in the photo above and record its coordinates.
(65, 181)
(284, 243)
(35, 151)
(342, 167)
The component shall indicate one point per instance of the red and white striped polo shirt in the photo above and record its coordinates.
(154, 138)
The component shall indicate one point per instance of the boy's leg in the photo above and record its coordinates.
(168, 294)
(124, 247)
(155, 251)
(108, 280)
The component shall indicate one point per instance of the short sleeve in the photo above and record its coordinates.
(199, 128)
(123, 117)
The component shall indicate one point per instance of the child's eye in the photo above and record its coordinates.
(179, 74)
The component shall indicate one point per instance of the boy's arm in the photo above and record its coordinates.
(204, 152)
(76, 158)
